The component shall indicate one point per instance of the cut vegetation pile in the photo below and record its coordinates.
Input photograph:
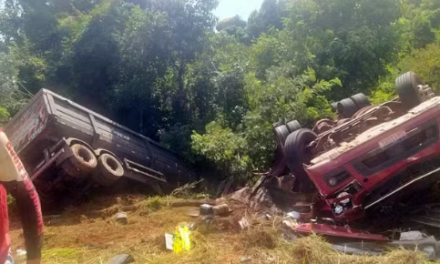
(89, 234)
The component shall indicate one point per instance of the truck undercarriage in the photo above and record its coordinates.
(71, 151)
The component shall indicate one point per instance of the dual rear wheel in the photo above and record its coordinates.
(104, 170)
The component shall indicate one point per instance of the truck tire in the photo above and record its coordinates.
(81, 163)
(360, 100)
(407, 89)
(295, 157)
(281, 133)
(347, 107)
(293, 126)
(108, 171)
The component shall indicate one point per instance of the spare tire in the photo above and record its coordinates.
(109, 170)
(407, 89)
(281, 133)
(295, 157)
(347, 107)
(360, 100)
(81, 163)
(293, 126)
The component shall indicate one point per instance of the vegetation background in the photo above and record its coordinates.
(211, 89)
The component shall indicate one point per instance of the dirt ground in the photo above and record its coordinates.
(89, 234)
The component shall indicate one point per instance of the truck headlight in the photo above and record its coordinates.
(334, 179)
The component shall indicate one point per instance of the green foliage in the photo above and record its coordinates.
(425, 62)
(268, 18)
(422, 23)
(225, 148)
(160, 68)
(351, 40)
(155, 203)
(281, 99)
(230, 24)
(13, 94)
(4, 116)
(251, 146)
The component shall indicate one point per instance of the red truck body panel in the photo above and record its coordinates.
(375, 157)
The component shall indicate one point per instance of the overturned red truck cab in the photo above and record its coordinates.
(384, 159)
(371, 157)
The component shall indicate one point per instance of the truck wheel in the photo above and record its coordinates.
(81, 163)
(347, 107)
(109, 170)
(295, 155)
(281, 133)
(360, 100)
(293, 126)
(407, 86)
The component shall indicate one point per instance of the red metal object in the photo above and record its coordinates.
(337, 231)
(375, 158)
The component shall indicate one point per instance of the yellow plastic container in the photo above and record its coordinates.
(182, 238)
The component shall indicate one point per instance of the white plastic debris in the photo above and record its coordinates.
(169, 241)
(294, 215)
(244, 223)
(411, 236)
(21, 252)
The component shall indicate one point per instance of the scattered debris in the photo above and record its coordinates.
(244, 223)
(193, 213)
(182, 237)
(222, 209)
(121, 218)
(206, 209)
(411, 236)
(293, 215)
(207, 219)
(429, 246)
(245, 259)
(121, 259)
(169, 240)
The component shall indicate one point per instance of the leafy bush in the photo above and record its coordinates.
(225, 148)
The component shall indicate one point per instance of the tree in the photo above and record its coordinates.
(426, 63)
(421, 20)
(12, 96)
(233, 22)
(158, 66)
(269, 17)
(351, 40)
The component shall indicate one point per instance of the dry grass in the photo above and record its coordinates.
(76, 238)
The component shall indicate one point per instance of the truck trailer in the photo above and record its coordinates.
(63, 144)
